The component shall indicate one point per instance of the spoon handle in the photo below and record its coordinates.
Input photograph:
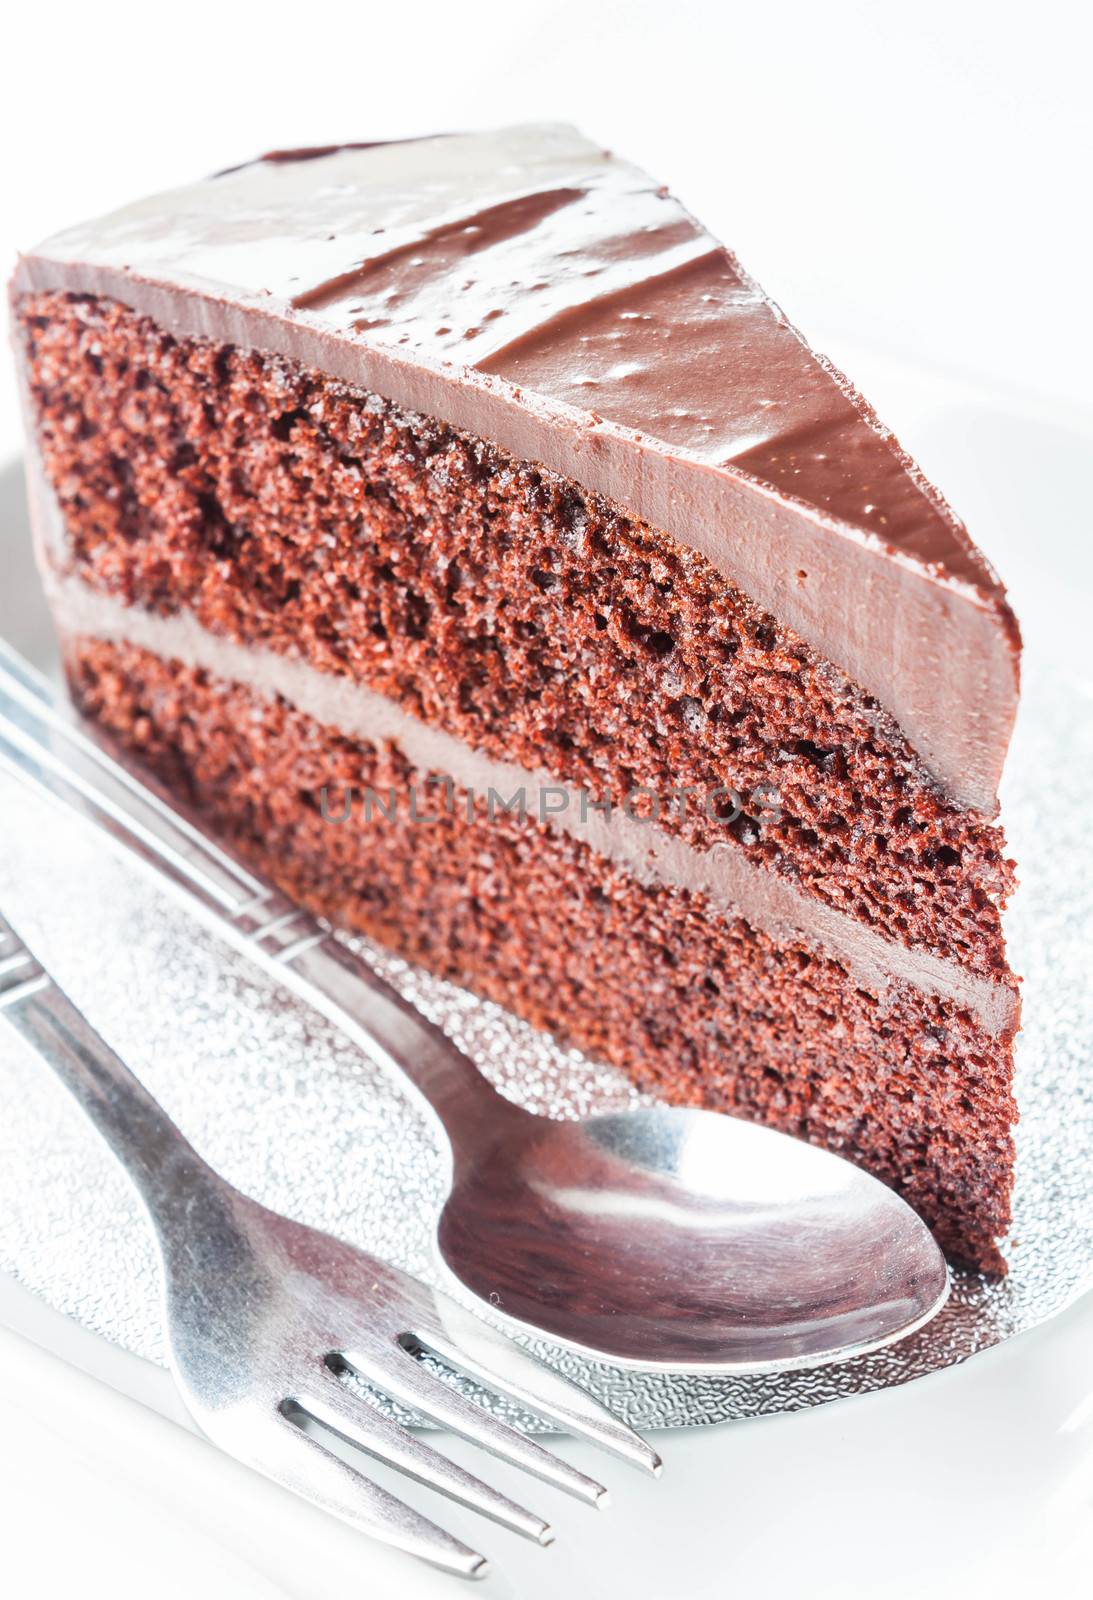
(52, 752)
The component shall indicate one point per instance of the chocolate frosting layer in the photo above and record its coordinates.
(527, 287)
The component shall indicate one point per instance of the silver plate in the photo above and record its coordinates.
(304, 1123)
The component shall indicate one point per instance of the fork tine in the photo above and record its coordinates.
(306, 1467)
(351, 1416)
(401, 1375)
(470, 1345)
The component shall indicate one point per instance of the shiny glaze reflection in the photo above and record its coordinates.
(526, 287)
(533, 255)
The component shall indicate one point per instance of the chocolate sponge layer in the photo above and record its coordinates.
(486, 595)
(700, 1008)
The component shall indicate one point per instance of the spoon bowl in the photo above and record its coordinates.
(688, 1241)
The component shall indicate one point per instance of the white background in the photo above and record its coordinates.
(913, 183)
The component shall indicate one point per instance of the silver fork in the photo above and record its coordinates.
(265, 1317)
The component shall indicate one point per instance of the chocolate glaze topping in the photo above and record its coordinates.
(526, 286)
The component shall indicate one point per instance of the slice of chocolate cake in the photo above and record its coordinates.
(461, 528)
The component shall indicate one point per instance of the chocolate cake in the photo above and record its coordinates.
(460, 527)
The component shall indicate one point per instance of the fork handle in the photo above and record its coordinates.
(38, 744)
(167, 1171)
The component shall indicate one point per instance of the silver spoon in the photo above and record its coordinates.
(686, 1241)
(655, 1237)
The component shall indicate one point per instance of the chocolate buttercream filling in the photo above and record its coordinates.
(722, 875)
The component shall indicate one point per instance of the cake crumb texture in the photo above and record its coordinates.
(485, 595)
(696, 1007)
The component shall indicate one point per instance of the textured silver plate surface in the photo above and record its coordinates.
(273, 1098)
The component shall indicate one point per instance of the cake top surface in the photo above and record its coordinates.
(532, 255)
(532, 289)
